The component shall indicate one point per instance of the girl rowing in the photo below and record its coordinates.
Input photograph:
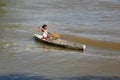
(45, 32)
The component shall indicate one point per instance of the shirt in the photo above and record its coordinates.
(45, 34)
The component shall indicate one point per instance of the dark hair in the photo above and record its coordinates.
(44, 26)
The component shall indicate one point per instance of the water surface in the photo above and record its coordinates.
(94, 23)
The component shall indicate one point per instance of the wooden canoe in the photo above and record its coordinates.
(61, 43)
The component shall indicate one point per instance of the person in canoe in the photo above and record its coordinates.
(44, 30)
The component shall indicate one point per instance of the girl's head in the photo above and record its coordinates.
(44, 27)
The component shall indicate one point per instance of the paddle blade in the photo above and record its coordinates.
(56, 35)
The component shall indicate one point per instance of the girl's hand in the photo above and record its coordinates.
(39, 29)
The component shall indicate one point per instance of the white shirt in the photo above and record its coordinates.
(45, 33)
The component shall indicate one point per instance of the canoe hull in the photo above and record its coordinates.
(61, 43)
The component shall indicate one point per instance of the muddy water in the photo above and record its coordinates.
(94, 23)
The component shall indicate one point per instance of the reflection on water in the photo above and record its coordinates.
(94, 23)
(4, 10)
(18, 76)
(22, 77)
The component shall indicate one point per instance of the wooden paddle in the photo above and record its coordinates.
(54, 34)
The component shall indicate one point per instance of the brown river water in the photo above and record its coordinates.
(95, 23)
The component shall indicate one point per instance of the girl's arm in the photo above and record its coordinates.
(39, 29)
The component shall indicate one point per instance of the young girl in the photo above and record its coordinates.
(45, 32)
